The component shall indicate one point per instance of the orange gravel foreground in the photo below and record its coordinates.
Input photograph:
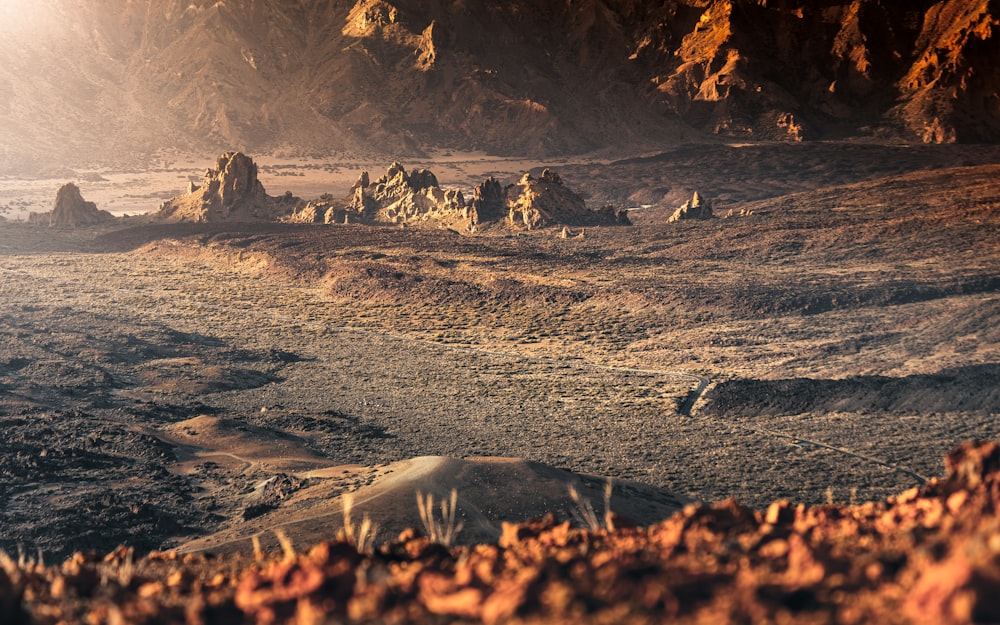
(929, 555)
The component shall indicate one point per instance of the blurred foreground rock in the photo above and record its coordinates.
(930, 554)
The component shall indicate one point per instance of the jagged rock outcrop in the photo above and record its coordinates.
(695, 208)
(489, 202)
(950, 92)
(538, 202)
(70, 210)
(229, 192)
(325, 210)
(399, 197)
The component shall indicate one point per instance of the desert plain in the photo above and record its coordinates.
(827, 337)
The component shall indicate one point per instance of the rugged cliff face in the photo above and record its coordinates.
(81, 81)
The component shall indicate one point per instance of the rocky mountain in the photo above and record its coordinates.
(84, 80)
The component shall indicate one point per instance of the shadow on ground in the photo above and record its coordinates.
(974, 388)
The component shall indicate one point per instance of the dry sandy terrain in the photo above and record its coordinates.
(163, 385)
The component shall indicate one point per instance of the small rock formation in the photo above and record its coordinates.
(488, 202)
(405, 198)
(230, 192)
(538, 202)
(695, 208)
(743, 212)
(71, 210)
(399, 197)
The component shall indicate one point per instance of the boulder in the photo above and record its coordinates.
(71, 210)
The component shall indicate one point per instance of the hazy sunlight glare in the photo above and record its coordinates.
(25, 16)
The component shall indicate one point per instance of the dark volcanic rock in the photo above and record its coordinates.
(949, 93)
(71, 210)
(488, 202)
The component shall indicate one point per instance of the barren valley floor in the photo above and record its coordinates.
(849, 335)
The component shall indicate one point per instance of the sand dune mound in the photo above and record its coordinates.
(207, 436)
(489, 491)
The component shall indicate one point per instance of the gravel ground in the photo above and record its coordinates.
(849, 349)
(110, 344)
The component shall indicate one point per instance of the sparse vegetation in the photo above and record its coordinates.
(362, 536)
(585, 514)
(441, 529)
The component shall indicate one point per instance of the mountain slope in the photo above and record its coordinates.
(86, 81)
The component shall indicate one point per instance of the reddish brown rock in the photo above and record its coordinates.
(931, 554)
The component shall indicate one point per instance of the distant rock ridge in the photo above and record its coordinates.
(399, 197)
(70, 210)
(230, 192)
(515, 78)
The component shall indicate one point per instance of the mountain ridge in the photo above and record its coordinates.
(81, 82)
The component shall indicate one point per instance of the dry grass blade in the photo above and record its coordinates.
(258, 552)
(584, 512)
(609, 521)
(361, 536)
(444, 531)
(286, 544)
(9, 566)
